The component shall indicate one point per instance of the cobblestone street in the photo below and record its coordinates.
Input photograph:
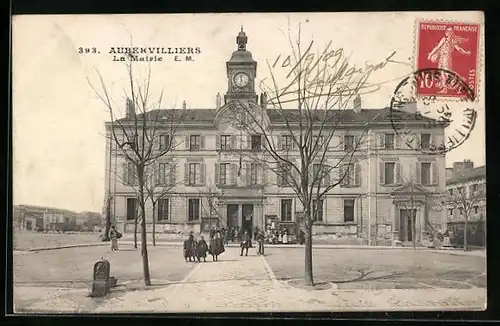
(245, 283)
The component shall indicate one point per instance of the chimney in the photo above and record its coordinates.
(183, 105)
(460, 167)
(217, 101)
(357, 104)
(263, 100)
(130, 109)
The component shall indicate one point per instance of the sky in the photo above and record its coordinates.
(58, 121)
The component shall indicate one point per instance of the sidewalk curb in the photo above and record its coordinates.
(233, 245)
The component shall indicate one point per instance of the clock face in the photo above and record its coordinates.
(241, 79)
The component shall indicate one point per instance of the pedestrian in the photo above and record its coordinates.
(260, 241)
(255, 232)
(114, 235)
(201, 249)
(285, 237)
(302, 237)
(212, 232)
(226, 237)
(216, 247)
(189, 247)
(245, 243)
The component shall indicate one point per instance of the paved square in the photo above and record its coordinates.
(393, 280)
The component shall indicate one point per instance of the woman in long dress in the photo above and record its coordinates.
(201, 249)
(216, 246)
(113, 235)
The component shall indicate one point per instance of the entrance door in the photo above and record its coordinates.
(406, 225)
(232, 216)
(247, 223)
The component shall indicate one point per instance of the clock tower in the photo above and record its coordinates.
(241, 73)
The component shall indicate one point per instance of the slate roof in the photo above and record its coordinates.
(468, 175)
(365, 115)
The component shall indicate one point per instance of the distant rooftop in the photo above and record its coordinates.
(45, 208)
(468, 175)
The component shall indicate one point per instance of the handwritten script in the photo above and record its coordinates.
(326, 74)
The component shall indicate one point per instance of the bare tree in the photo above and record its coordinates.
(411, 205)
(161, 180)
(135, 137)
(212, 202)
(305, 149)
(465, 200)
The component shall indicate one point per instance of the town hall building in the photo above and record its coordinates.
(212, 185)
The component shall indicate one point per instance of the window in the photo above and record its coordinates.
(460, 211)
(130, 173)
(225, 142)
(426, 174)
(162, 173)
(460, 190)
(193, 209)
(450, 211)
(287, 142)
(389, 173)
(256, 142)
(286, 210)
(163, 209)
(284, 175)
(473, 188)
(194, 142)
(349, 178)
(164, 141)
(348, 210)
(450, 191)
(194, 171)
(224, 168)
(131, 208)
(425, 141)
(389, 141)
(320, 141)
(253, 173)
(476, 209)
(348, 143)
(316, 172)
(318, 215)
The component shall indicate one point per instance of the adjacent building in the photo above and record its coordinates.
(206, 167)
(31, 217)
(464, 177)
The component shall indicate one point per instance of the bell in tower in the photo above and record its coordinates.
(241, 40)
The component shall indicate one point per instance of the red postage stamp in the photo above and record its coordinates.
(444, 47)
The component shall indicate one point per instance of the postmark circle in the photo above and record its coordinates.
(408, 122)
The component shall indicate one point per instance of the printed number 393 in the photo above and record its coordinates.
(87, 50)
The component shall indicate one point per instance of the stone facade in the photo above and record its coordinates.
(249, 195)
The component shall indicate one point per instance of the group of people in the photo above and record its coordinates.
(195, 250)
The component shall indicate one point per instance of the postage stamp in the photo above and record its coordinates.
(448, 46)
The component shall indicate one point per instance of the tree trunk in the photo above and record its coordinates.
(107, 222)
(414, 231)
(144, 248)
(154, 225)
(465, 234)
(308, 251)
(135, 231)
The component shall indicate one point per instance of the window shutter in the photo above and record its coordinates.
(233, 142)
(334, 144)
(217, 142)
(186, 173)
(382, 172)
(381, 140)
(355, 145)
(357, 174)
(279, 143)
(398, 173)
(396, 141)
(434, 174)
(234, 168)
(173, 172)
(202, 142)
(264, 174)
(432, 141)
(156, 142)
(202, 173)
(217, 173)
(279, 177)
(155, 177)
(247, 173)
(326, 175)
(418, 173)
(125, 173)
(186, 143)
(344, 173)
(438, 140)
(168, 143)
(249, 142)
